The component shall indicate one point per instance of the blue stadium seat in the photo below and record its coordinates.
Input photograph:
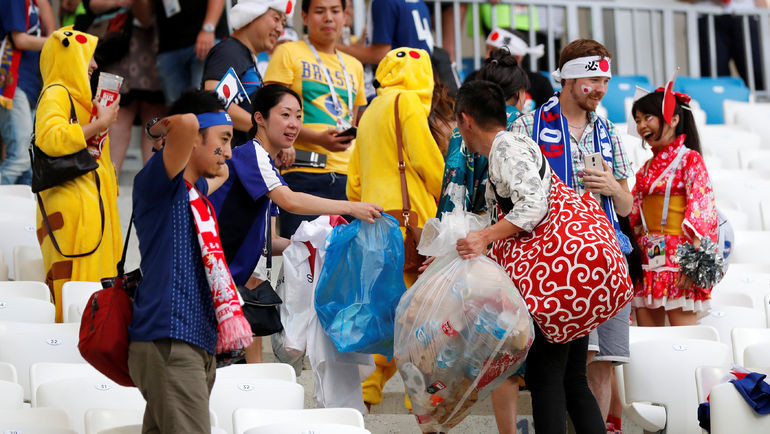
(711, 93)
(620, 88)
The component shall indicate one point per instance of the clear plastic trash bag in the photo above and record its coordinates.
(360, 285)
(461, 329)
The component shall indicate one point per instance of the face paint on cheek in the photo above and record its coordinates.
(218, 151)
(586, 89)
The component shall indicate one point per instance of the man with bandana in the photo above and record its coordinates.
(569, 133)
(186, 307)
(257, 24)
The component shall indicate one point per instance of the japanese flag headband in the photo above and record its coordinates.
(591, 66)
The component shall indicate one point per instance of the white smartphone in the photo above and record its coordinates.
(594, 161)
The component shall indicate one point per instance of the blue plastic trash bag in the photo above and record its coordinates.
(361, 284)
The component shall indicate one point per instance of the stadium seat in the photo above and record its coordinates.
(11, 395)
(28, 264)
(726, 318)
(35, 420)
(16, 229)
(767, 309)
(706, 377)
(638, 334)
(660, 381)
(8, 372)
(731, 298)
(25, 309)
(27, 289)
(764, 214)
(17, 190)
(731, 414)
(103, 420)
(728, 142)
(231, 393)
(757, 356)
(619, 88)
(273, 371)
(74, 296)
(744, 337)
(245, 419)
(77, 395)
(23, 344)
(3, 268)
(751, 248)
(711, 92)
(45, 372)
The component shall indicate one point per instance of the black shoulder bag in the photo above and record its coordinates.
(50, 171)
(261, 303)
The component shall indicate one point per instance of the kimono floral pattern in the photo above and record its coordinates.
(691, 180)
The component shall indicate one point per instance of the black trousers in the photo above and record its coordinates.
(556, 377)
(730, 44)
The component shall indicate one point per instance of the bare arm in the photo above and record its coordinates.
(475, 243)
(302, 203)
(279, 243)
(366, 54)
(47, 21)
(180, 132)
(328, 139)
(206, 39)
(143, 12)
(101, 6)
(241, 118)
(23, 41)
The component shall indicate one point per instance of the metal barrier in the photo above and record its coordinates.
(645, 39)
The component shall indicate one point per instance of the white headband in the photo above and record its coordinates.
(247, 11)
(500, 38)
(592, 66)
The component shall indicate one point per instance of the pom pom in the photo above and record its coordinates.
(703, 265)
(623, 242)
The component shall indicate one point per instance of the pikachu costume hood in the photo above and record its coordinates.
(373, 174)
(73, 207)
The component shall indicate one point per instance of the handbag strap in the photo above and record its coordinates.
(268, 249)
(50, 232)
(122, 263)
(406, 204)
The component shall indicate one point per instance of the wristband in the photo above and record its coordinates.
(149, 125)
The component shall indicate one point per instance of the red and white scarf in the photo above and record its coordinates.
(234, 332)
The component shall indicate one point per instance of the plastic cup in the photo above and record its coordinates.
(109, 88)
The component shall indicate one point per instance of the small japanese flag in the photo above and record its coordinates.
(230, 89)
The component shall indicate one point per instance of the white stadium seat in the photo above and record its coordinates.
(74, 296)
(30, 289)
(28, 263)
(231, 393)
(245, 419)
(26, 310)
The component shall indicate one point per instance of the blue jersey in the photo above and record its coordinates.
(173, 299)
(23, 16)
(241, 207)
(401, 23)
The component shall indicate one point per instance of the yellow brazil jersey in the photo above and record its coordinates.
(294, 65)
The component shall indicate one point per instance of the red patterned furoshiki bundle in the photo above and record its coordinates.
(569, 269)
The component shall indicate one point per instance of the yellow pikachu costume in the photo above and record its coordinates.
(373, 174)
(73, 207)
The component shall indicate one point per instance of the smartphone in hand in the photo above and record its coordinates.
(594, 161)
(350, 132)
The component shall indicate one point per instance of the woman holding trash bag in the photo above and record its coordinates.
(78, 227)
(405, 79)
(520, 180)
(254, 188)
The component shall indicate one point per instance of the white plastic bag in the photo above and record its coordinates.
(302, 332)
(461, 329)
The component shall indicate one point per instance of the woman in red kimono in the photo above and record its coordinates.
(673, 204)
